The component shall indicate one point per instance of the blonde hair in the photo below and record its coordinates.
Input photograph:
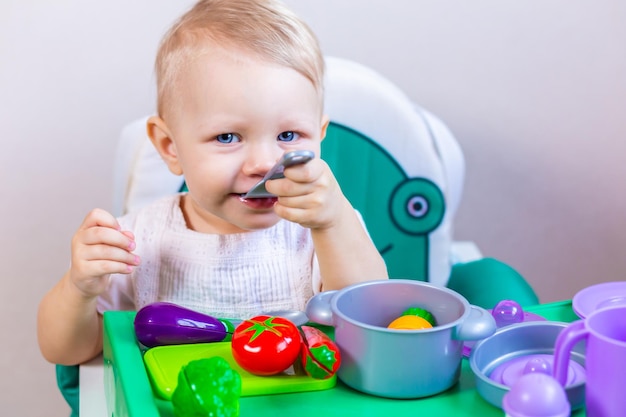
(265, 28)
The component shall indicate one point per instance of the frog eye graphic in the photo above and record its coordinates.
(416, 206)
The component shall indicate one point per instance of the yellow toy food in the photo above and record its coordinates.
(410, 323)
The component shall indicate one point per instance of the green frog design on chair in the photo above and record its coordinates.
(401, 212)
(414, 206)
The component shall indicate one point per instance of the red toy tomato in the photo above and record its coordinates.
(266, 345)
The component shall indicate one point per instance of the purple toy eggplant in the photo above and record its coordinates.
(164, 323)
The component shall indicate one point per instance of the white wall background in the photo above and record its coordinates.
(534, 91)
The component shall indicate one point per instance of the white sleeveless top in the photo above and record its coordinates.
(234, 276)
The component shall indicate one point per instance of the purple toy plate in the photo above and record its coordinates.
(510, 371)
(599, 296)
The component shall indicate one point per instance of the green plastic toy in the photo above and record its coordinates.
(207, 387)
(420, 312)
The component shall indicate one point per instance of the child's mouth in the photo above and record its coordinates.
(258, 203)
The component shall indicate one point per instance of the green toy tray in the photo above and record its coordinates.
(129, 392)
(164, 362)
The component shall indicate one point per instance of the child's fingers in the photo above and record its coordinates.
(98, 235)
(288, 187)
(91, 263)
(91, 277)
(306, 173)
(315, 205)
(100, 227)
(128, 234)
(95, 270)
(99, 217)
(105, 244)
(101, 248)
(298, 179)
(303, 179)
(112, 267)
(109, 253)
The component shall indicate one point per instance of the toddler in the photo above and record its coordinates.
(239, 83)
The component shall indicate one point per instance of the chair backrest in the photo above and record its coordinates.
(397, 164)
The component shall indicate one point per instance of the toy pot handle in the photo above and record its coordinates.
(318, 308)
(563, 347)
(478, 325)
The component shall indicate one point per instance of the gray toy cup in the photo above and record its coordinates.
(399, 363)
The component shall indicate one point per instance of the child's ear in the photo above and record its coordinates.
(161, 138)
(325, 122)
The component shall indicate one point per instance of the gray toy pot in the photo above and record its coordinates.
(399, 363)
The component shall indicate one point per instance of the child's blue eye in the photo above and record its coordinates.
(287, 136)
(227, 138)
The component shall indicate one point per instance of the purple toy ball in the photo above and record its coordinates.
(538, 364)
(507, 312)
(536, 394)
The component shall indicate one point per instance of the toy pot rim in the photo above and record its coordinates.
(317, 309)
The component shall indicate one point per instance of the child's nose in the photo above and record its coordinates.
(258, 162)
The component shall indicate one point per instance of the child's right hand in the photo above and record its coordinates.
(100, 248)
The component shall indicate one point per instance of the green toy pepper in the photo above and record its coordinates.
(207, 387)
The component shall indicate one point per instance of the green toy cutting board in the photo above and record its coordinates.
(164, 362)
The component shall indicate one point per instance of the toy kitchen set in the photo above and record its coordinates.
(393, 347)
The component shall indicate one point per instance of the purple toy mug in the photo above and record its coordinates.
(604, 331)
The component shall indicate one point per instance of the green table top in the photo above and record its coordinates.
(129, 392)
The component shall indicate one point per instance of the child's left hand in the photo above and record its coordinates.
(309, 195)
